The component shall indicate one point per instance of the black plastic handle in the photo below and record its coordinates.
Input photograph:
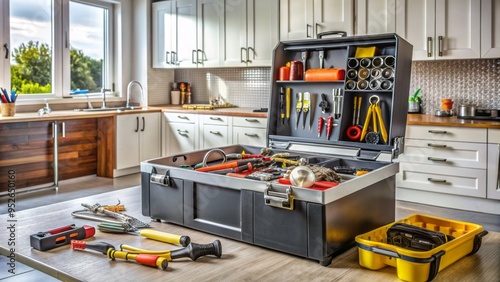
(194, 251)
(434, 266)
(335, 32)
(6, 47)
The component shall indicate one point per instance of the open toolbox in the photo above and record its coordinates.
(317, 222)
(415, 265)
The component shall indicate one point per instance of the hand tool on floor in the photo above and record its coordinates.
(329, 126)
(374, 113)
(321, 122)
(47, 240)
(305, 107)
(354, 131)
(288, 98)
(282, 105)
(324, 105)
(298, 107)
(148, 233)
(110, 251)
(99, 213)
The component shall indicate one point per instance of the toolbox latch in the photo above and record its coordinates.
(277, 199)
(398, 147)
(160, 178)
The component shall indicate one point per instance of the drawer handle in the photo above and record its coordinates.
(438, 131)
(277, 199)
(437, 180)
(215, 118)
(252, 120)
(436, 159)
(436, 145)
(251, 135)
(182, 131)
(183, 117)
(215, 132)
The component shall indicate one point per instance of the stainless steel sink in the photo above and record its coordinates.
(118, 109)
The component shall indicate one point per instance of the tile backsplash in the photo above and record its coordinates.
(465, 81)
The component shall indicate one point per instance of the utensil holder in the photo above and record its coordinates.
(8, 109)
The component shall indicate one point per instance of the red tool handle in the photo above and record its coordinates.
(329, 126)
(61, 229)
(321, 122)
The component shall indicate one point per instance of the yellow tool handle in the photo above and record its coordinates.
(145, 259)
(133, 250)
(288, 98)
(383, 130)
(365, 125)
(374, 120)
(165, 237)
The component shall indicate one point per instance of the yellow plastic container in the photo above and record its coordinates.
(365, 52)
(375, 253)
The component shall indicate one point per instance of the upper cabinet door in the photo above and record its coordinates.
(163, 26)
(375, 16)
(296, 19)
(210, 29)
(490, 29)
(186, 46)
(235, 35)
(262, 28)
(333, 15)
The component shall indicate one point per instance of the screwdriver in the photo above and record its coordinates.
(288, 98)
(282, 105)
(165, 237)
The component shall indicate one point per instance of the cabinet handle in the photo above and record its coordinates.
(6, 48)
(241, 55)
(173, 58)
(317, 27)
(166, 57)
(498, 169)
(251, 120)
(429, 46)
(248, 55)
(198, 58)
(436, 145)
(436, 159)
(215, 132)
(440, 45)
(215, 118)
(182, 117)
(182, 131)
(137, 124)
(307, 30)
(143, 124)
(437, 180)
(192, 57)
(438, 131)
(63, 125)
(251, 135)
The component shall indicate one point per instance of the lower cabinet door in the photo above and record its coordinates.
(249, 136)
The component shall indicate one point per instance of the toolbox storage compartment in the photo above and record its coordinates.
(412, 265)
(316, 223)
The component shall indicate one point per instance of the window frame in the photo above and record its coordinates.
(61, 49)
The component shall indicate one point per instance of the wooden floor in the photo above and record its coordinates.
(87, 186)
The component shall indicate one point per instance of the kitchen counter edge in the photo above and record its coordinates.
(453, 121)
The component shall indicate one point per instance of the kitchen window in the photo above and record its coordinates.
(56, 48)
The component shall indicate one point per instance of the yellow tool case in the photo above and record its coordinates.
(413, 265)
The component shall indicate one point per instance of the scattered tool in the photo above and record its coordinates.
(47, 240)
(329, 126)
(354, 131)
(282, 105)
(148, 233)
(374, 112)
(305, 107)
(298, 107)
(324, 105)
(321, 121)
(230, 164)
(288, 104)
(99, 213)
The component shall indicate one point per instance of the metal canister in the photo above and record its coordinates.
(296, 70)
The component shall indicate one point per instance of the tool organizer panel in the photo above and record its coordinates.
(254, 200)
(366, 109)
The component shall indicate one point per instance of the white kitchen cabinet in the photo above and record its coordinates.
(493, 190)
(180, 132)
(137, 139)
(250, 32)
(215, 131)
(375, 16)
(186, 33)
(250, 131)
(490, 29)
(440, 29)
(301, 19)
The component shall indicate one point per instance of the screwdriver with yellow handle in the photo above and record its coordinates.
(148, 233)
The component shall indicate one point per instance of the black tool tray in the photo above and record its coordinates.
(316, 224)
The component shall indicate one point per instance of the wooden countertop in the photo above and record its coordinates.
(453, 121)
(239, 262)
(71, 114)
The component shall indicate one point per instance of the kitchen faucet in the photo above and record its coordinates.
(45, 110)
(128, 91)
(103, 91)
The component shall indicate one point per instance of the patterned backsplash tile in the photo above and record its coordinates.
(465, 81)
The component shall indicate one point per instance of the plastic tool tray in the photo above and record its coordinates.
(375, 253)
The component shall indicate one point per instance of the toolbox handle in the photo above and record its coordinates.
(334, 32)
(385, 252)
(434, 267)
(477, 242)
